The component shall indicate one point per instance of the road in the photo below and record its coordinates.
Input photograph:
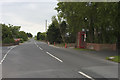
(34, 59)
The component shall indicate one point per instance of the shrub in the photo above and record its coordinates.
(21, 40)
(8, 40)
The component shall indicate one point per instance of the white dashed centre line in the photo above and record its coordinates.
(36, 44)
(40, 48)
(54, 57)
(85, 75)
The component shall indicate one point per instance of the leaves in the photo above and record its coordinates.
(101, 19)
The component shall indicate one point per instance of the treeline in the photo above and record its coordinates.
(10, 32)
(100, 21)
(41, 36)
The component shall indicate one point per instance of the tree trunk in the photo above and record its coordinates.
(63, 39)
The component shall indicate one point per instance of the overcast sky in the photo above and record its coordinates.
(30, 15)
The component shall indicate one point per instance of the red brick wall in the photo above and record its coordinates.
(99, 47)
(71, 45)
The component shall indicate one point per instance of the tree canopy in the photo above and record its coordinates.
(10, 32)
(100, 20)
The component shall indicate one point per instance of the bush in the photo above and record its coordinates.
(21, 40)
(23, 35)
(8, 40)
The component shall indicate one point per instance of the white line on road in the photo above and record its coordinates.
(40, 48)
(36, 44)
(85, 75)
(54, 57)
(7, 54)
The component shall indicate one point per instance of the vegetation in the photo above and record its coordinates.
(41, 36)
(53, 34)
(115, 59)
(99, 20)
(23, 35)
(29, 35)
(10, 32)
(84, 49)
(6, 34)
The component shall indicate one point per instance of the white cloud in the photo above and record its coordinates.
(31, 16)
(32, 6)
(28, 0)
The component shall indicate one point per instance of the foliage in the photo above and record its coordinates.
(14, 30)
(21, 40)
(41, 36)
(100, 20)
(115, 59)
(29, 35)
(8, 40)
(6, 34)
(10, 32)
(38, 35)
(63, 28)
(23, 35)
(53, 34)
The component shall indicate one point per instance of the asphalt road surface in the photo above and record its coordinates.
(34, 59)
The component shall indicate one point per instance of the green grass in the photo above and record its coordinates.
(81, 49)
(116, 59)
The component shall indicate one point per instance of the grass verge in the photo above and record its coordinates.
(115, 59)
(81, 49)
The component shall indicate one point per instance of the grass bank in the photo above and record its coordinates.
(81, 49)
(114, 58)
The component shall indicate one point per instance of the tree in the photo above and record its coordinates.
(14, 30)
(62, 28)
(6, 34)
(29, 35)
(23, 35)
(53, 34)
(100, 20)
(73, 14)
(38, 35)
(41, 36)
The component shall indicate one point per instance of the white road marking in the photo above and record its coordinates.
(7, 54)
(85, 75)
(36, 44)
(54, 57)
(40, 48)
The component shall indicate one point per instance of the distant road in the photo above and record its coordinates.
(34, 59)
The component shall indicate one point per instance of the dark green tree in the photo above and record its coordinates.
(29, 35)
(23, 35)
(38, 35)
(6, 34)
(100, 20)
(63, 29)
(53, 34)
(14, 30)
